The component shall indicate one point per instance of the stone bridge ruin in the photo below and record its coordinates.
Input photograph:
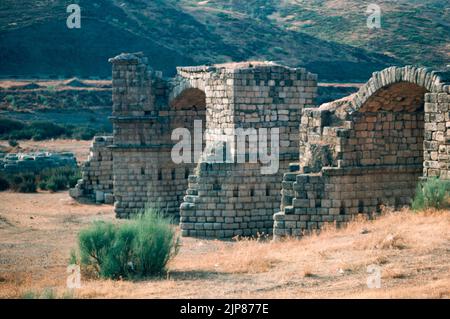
(336, 160)
(367, 150)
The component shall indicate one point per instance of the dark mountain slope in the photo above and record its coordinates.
(35, 41)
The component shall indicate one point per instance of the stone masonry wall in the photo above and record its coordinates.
(97, 172)
(385, 138)
(337, 195)
(229, 199)
(226, 200)
(368, 150)
(343, 158)
(437, 135)
(143, 120)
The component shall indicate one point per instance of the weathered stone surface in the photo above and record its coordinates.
(350, 156)
(35, 161)
(97, 171)
(378, 143)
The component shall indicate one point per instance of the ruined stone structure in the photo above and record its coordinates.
(97, 172)
(222, 199)
(336, 160)
(35, 161)
(367, 150)
(228, 199)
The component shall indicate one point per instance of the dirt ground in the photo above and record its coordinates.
(38, 231)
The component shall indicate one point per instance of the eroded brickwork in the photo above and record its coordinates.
(97, 172)
(337, 160)
(368, 150)
(143, 119)
(229, 199)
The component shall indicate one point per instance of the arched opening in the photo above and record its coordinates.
(388, 140)
(397, 97)
(187, 110)
(189, 99)
(389, 127)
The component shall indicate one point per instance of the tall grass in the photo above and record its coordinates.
(433, 193)
(134, 249)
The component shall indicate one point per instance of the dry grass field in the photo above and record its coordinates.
(38, 231)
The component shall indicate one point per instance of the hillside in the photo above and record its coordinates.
(414, 31)
(35, 41)
(329, 37)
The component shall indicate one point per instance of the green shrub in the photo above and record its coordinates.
(432, 194)
(57, 182)
(42, 185)
(136, 248)
(13, 143)
(4, 183)
(23, 182)
(83, 133)
(46, 130)
(22, 134)
(53, 179)
(8, 125)
(60, 178)
(19, 130)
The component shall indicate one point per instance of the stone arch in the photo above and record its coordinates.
(189, 98)
(186, 109)
(387, 113)
(185, 84)
(422, 77)
(381, 141)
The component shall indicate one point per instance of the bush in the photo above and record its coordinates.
(83, 133)
(432, 194)
(60, 178)
(23, 134)
(23, 183)
(56, 183)
(46, 130)
(53, 179)
(34, 130)
(13, 143)
(19, 130)
(8, 125)
(4, 184)
(137, 248)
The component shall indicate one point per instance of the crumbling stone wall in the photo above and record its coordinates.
(35, 161)
(225, 98)
(337, 160)
(97, 172)
(144, 116)
(338, 194)
(378, 143)
(229, 199)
